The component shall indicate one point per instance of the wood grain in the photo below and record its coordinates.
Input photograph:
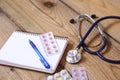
(111, 27)
(40, 16)
(100, 8)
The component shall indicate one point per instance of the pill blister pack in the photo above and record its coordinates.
(49, 44)
(79, 73)
(62, 75)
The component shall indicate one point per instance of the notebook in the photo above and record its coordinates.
(17, 52)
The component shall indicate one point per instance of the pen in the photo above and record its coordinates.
(42, 59)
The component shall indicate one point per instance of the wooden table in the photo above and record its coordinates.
(40, 16)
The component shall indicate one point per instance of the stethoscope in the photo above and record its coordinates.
(74, 56)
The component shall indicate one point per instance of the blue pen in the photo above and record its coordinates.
(42, 59)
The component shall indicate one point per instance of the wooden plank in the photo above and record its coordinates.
(37, 19)
(6, 26)
(101, 8)
(41, 16)
(111, 27)
(6, 73)
(27, 17)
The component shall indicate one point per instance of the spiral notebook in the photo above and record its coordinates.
(17, 52)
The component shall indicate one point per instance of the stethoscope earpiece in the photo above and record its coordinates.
(73, 56)
(72, 21)
(93, 16)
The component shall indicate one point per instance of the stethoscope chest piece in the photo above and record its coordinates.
(73, 56)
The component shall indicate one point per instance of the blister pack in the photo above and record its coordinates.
(79, 73)
(49, 44)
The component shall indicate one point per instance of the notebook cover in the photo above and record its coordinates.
(17, 52)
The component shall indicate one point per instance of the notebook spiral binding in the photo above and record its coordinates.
(37, 34)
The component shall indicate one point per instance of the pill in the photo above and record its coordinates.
(56, 75)
(43, 36)
(49, 34)
(64, 73)
(50, 77)
(56, 50)
(60, 78)
(50, 38)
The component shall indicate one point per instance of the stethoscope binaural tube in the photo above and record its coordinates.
(76, 20)
(90, 18)
(81, 44)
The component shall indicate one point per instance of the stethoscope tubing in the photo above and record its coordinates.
(99, 50)
(81, 44)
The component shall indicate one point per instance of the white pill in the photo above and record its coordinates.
(50, 78)
(60, 78)
(56, 75)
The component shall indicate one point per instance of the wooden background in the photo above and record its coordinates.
(40, 16)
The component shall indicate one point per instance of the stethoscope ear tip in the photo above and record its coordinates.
(72, 21)
(93, 16)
